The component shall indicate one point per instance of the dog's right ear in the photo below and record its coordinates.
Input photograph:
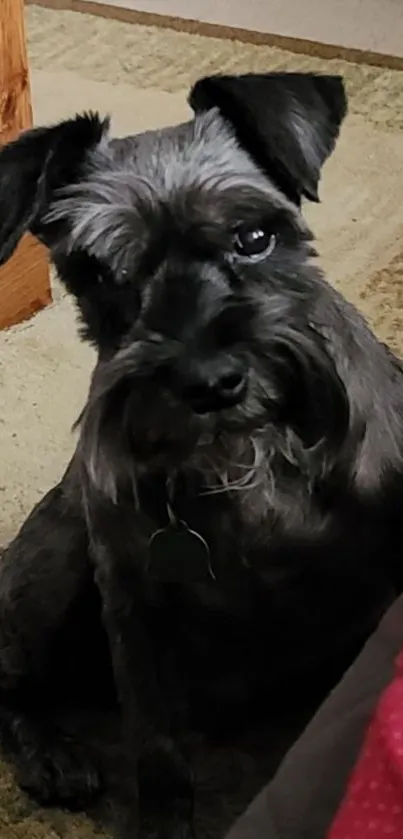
(287, 122)
(34, 167)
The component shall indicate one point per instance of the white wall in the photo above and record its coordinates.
(375, 25)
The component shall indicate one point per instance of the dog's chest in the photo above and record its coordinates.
(206, 551)
(178, 553)
(210, 550)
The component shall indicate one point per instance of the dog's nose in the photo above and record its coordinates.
(214, 386)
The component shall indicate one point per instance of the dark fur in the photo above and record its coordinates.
(296, 488)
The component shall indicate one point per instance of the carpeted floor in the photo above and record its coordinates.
(141, 76)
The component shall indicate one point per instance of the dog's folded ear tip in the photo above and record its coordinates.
(333, 90)
(95, 118)
(203, 93)
(208, 90)
(313, 194)
(90, 125)
(196, 94)
(91, 116)
(335, 80)
(309, 189)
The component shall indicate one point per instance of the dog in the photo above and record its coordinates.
(233, 509)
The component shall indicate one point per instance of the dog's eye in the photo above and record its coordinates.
(252, 242)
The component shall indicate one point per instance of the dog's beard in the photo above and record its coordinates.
(133, 424)
(134, 430)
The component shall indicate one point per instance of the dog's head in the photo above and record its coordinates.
(190, 261)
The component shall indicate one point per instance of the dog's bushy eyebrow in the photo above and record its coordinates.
(183, 173)
(102, 212)
(252, 204)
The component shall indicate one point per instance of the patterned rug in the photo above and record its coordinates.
(141, 76)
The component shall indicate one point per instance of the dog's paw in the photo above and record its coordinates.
(59, 774)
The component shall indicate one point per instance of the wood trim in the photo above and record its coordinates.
(214, 30)
(24, 280)
(24, 283)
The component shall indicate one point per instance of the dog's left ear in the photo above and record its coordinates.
(34, 167)
(288, 122)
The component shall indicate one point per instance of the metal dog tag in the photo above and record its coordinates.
(179, 554)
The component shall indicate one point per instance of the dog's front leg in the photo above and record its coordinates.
(162, 804)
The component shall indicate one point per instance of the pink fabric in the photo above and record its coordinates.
(373, 805)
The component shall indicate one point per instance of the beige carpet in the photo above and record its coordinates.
(141, 75)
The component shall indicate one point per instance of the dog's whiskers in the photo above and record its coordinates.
(221, 467)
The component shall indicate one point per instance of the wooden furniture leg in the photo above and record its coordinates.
(24, 280)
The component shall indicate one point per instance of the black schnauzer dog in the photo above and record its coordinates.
(233, 509)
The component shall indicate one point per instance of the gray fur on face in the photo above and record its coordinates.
(115, 208)
(107, 212)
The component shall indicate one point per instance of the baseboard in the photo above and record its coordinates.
(296, 45)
